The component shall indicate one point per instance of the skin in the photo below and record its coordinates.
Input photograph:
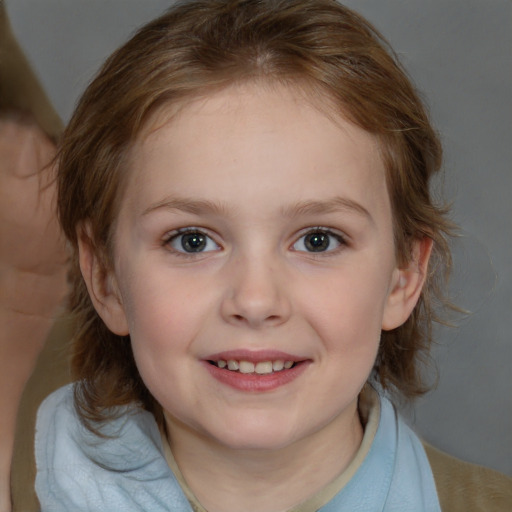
(261, 168)
(32, 269)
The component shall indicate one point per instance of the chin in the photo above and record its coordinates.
(256, 434)
(263, 443)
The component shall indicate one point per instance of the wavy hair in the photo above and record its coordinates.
(201, 45)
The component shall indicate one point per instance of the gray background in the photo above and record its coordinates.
(459, 53)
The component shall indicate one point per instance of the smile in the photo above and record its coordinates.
(255, 371)
(259, 368)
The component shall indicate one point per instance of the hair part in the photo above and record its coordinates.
(203, 45)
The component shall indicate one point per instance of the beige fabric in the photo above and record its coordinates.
(369, 411)
(464, 487)
(51, 372)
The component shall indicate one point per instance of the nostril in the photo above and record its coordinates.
(268, 319)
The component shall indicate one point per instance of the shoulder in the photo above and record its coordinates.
(124, 469)
(59, 461)
(464, 487)
(129, 436)
(55, 415)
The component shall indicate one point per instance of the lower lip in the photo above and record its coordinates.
(251, 382)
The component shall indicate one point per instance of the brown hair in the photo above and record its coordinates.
(205, 44)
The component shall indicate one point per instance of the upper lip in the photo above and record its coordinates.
(254, 356)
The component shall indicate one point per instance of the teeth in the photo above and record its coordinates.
(246, 367)
(232, 365)
(261, 368)
(278, 365)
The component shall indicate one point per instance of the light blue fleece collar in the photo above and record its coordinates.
(79, 472)
(395, 476)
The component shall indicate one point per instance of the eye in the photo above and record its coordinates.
(191, 241)
(319, 240)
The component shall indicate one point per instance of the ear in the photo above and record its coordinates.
(406, 285)
(101, 284)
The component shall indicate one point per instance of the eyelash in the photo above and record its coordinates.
(340, 240)
(175, 235)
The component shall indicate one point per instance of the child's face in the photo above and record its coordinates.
(254, 229)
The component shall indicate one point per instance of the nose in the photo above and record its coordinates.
(257, 294)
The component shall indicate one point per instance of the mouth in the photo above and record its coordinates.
(250, 367)
(259, 371)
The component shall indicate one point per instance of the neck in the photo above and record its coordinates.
(228, 480)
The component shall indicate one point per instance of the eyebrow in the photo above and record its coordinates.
(333, 205)
(189, 205)
(310, 207)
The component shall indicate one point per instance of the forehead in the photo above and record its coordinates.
(247, 137)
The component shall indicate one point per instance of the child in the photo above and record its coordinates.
(245, 186)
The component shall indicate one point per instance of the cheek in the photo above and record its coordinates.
(166, 311)
(162, 329)
(347, 311)
(159, 320)
(152, 310)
